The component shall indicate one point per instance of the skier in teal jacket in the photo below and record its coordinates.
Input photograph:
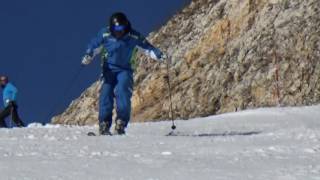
(118, 45)
(10, 103)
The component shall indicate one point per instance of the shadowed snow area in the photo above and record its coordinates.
(263, 144)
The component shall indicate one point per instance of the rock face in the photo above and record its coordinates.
(226, 55)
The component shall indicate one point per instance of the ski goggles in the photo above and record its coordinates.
(119, 28)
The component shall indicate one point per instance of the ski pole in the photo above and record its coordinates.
(65, 92)
(170, 114)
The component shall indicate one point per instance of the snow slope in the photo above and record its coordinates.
(263, 144)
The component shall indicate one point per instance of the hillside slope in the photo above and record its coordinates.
(264, 144)
(227, 55)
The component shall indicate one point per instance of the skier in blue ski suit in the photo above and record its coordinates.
(118, 45)
(10, 103)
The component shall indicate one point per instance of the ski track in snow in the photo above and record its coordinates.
(263, 144)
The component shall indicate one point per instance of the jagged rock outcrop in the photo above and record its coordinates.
(227, 55)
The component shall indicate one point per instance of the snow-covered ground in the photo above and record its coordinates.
(263, 144)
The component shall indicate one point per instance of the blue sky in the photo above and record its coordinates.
(42, 42)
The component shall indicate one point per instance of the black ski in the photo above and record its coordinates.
(91, 134)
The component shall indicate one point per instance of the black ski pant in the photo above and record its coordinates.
(12, 110)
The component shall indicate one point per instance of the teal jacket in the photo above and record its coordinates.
(9, 94)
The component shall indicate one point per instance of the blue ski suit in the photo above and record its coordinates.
(118, 61)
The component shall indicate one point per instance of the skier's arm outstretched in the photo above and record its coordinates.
(94, 47)
(147, 48)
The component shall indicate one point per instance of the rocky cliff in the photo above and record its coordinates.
(226, 55)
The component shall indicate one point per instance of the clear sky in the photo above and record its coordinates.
(42, 42)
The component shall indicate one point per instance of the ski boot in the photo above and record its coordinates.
(120, 127)
(104, 129)
(3, 124)
(20, 124)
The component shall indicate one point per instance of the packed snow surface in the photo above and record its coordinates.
(263, 144)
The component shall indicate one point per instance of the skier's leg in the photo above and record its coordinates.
(3, 115)
(15, 116)
(123, 94)
(106, 103)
